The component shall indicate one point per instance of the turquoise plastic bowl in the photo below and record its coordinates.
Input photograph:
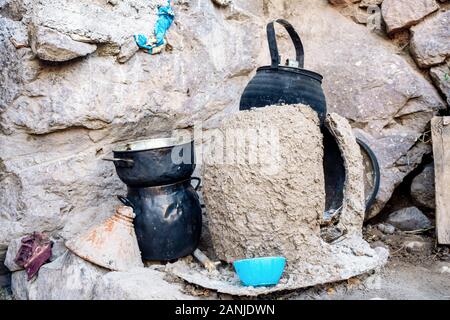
(260, 272)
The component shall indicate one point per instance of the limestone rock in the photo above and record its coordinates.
(441, 78)
(13, 248)
(138, 284)
(67, 117)
(388, 103)
(430, 41)
(17, 65)
(409, 219)
(67, 278)
(52, 45)
(423, 188)
(127, 50)
(360, 16)
(368, 3)
(401, 14)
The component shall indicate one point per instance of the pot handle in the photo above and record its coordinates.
(125, 163)
(271, 37)
(125, 201)
(199, 183)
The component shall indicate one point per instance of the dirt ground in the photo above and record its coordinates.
(414, 272)
(418, 272)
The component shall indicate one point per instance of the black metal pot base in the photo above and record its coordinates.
(168, 221)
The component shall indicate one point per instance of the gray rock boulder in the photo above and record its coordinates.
(67, 278)
(409, 219)
(368, 3)
(441, 78)
(401, 14)
(423, 188)
(13, 248)
(51, 45)
(430, 41)
(72, 278)
(138, 284)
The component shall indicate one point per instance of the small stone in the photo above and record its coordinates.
(51, 45)
(67, 278)
(386, 228)
(379, 244)
(13, 248)
(417, 246)
(368, 3)
(409, 219)
(374, 282)
(127, 50)
(430, 40)
(19, 36)
(422, 188)
(445, 269)
(222, 3)
(401, 14)
(361, 16)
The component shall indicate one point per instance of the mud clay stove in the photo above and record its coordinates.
(253, 212)
(311, 209)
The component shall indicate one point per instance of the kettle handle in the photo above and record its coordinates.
(271, 37)
(125, 201)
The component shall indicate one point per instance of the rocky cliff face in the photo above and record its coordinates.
(73, 85)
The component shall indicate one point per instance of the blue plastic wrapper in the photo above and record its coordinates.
(165, 20)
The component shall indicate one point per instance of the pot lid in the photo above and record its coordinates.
(151, 144)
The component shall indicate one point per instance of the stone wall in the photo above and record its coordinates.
(72, 85)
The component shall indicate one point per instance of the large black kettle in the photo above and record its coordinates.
(291, 84)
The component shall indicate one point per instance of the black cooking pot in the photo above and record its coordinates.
(168, 221)
(372, 173)
(291, 84)
(155, 162)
